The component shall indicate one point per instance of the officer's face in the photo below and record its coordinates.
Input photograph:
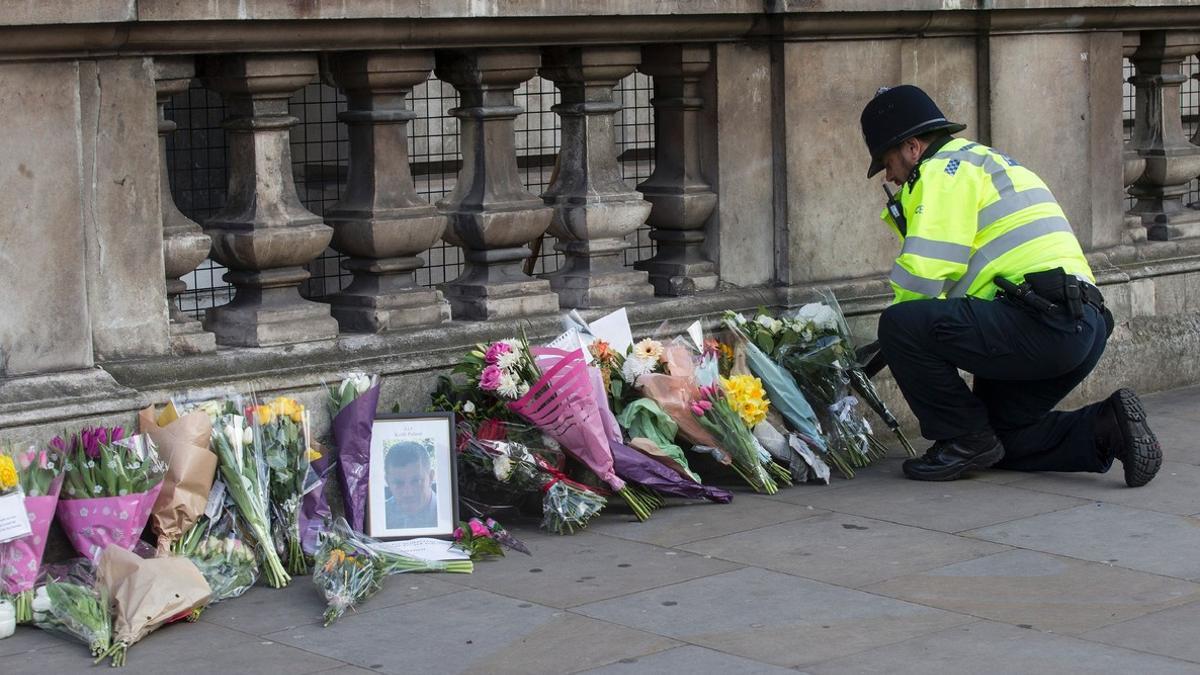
(898, 162)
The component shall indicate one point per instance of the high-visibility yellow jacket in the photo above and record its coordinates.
(974, 214)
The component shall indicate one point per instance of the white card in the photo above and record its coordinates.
(425, 548)
(614, 329)
(216, 499)
(14, 521)
(696, 332)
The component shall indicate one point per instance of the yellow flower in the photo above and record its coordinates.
(312, 454)
(8, 473)
(336, 556)
(265, 414)
(288, 407)
(747, 397)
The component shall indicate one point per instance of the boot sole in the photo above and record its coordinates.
(952, 473)
(1143, 454)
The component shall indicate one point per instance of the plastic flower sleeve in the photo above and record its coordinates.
(564, 406)
(69, 603)
(352, 436)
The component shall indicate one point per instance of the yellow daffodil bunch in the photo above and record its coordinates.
(8, 474)
(280, 407)
(747, 396)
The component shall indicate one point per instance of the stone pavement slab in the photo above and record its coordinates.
(679, 523)
(1176, 488)
(772, 617)
(1170, 632)
(987, 648)
(586, 567)
(265, 610)
(948, 507)
(199, 649)
(1184, 403)
(843, 549)
(693, 661)
(1118, 535)
(1046, 592)
(472, 631)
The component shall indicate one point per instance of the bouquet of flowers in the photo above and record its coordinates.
(485, 538)
(352, 406)
(146, 593)
(350, 567)
(109, 488)
(182, 444)
(314, 507)
(218, 551)
(566, 505)
(245, 474)
(715, 411)
(282, 430)
(69, 602)
(37, 474)
(674, 389)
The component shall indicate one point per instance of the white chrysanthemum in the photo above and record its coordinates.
(512, 342)
(507, 360)
(502, 466)
(508, 387)
(648, 349)
(636, 367)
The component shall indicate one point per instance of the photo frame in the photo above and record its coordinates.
(413, 484)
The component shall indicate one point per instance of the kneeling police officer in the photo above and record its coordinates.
(991, 280)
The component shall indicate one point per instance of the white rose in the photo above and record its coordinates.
(469, 408)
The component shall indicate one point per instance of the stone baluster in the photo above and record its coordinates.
(381, 223)
(594, 208)
(682, 198)
(184, 244)
(491, 214)
(264, 235)
(1171, 161)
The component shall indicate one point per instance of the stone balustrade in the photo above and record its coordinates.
(756, 196)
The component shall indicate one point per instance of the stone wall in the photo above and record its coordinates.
(759, 194)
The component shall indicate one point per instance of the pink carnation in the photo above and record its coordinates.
(489, 379)
(478, 529)
(458, 534)
(496, 351)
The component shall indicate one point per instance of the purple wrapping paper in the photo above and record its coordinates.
(352, 436)
(638, 468)
(314, 509)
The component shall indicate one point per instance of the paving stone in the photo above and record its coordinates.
(843, 549)
(1046, 592)
(1177, 402)
(473, 631)
(1173, 490)
(184, 648)
(565, 571)
(265, 610)
(1169, 632)
(772, 617)
(28, 639)
(692, 660)
(1177, 436)
(677, 524)
(948, 507)
(987, 648)
(1119, 535)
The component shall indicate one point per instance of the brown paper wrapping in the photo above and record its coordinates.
(676, 392)
(148, 592)
(183, 445)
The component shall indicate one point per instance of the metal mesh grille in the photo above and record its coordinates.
(1189, 101)
(198, 164)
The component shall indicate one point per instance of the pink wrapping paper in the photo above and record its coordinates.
(21, 558)
(92, 524)
(563, 405)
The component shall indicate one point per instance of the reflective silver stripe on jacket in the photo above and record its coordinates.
(911, 282)
(937, 250)
(1010, 200)
(1003, 244)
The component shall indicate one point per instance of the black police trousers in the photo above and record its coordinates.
(1024, 363)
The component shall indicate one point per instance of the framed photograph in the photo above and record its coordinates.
(412, 476)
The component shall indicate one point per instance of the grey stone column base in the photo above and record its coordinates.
(369, 313)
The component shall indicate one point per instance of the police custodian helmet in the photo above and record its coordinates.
(898, 113)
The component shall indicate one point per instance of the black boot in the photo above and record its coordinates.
(1123, 433)
(947, 460)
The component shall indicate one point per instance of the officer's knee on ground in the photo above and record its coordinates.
(891, 324)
